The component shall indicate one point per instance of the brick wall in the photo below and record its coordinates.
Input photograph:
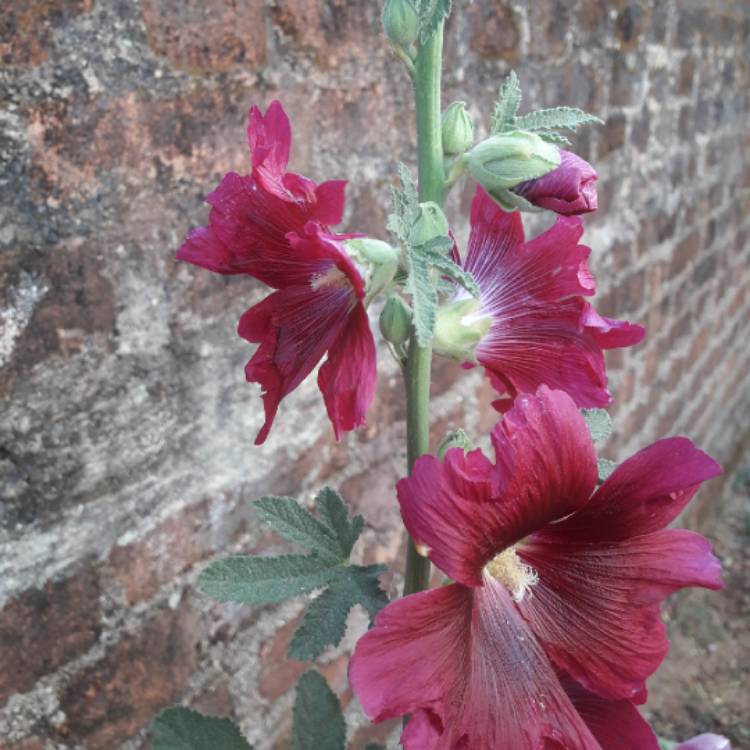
(126, 425)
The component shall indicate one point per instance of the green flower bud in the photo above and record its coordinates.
(430, 223)
(459, 328)
(395, 321)
(503, 161)
(454, 439)
(400, 22)
(458, 129)
(370, 250)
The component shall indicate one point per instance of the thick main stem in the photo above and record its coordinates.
(431, 188)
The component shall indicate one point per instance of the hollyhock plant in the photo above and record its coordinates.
(549, 626)
(547, 575)
(273, 225)
(569, 189)
(531, 324)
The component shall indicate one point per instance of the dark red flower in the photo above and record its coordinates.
(568, 189)
(274, 225)
(549, 578)
(541, 330)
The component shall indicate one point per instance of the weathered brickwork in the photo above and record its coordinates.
(126, 427)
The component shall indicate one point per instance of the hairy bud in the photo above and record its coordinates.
(395, 321)
(400, 22)
(457, 129)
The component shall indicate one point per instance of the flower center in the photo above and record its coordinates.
(507, 568)
(333, 277)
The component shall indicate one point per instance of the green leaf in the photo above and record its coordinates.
(510, 201)
(334, 514)
(324, 623)
(509, 100)
(424, 298)
(665, 744)
(605, 467)
(431, 14)
(318, 722)
(180, 728)
(375, 747)
(553, 119)
(405, 205)
(264, 580)
(294, 523)
(599, 424)
(447, 267)
(551, 137)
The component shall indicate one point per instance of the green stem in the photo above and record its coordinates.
(419, 359)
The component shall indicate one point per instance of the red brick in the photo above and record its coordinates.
(26, 28)
(495, 32)
(279, 673)
(178, 542)
(143, 673)
(42, 629)
(612, 135)
(201, 36)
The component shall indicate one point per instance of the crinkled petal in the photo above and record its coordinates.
(270, 139)
(644, 493)
(595, 606)
(465, 510)
(533, 293)
(568, 189)
(609, 333)
(295, 326)
(347, 379)
(465, 664)
(706, 742)
(617, 725)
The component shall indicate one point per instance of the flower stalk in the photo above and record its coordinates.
(427, 75)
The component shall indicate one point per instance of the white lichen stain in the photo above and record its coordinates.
(15, 318)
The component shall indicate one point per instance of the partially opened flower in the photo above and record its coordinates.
(569, 189)
(531, 324)
(274, 225)
(549, 579)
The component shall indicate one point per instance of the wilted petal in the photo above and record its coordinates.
(347, 379)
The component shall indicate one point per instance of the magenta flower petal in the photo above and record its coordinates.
(595, 606)
(617, 725)
(347, 379)
(644, 493)
(542, 330)
(273, 225)
(465, 509)
(706, 742)
(465, 664)
(568, 189)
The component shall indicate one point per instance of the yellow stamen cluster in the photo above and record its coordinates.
(507, 568)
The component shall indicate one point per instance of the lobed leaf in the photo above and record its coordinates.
(447, 267)
(552, 119)
(431, 14)
(284, 515)
(551, 137)
(405, 205)
(335, 515)
(424, 298)
(265, 580)
(324, 623)
(509, 100)
(180, 728)
(318, 723)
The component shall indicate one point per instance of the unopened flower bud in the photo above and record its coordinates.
(459, 327)
(454, 439)
(503, 161)
(569, 189)
(400, 22)
(431, 223)
(457, 128)
(371, 250)
(395, 320)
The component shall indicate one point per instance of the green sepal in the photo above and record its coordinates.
(180, 728)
